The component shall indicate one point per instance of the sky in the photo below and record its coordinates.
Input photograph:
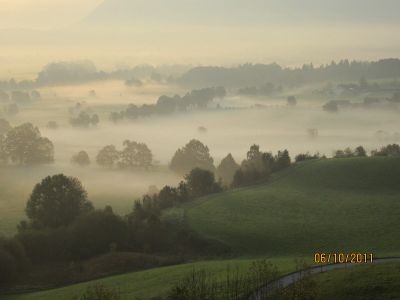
(43, 13)
(197, 32)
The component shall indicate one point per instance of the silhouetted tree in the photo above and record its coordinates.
(282, 160)
(97, 232)
(84, 120)
(25, 145)
(81, 158)
(108, 156)
(57, 201)
(135, 155)
(194, 155)
(360, 151)
(227, 168)
(389, 150)
(201, 182)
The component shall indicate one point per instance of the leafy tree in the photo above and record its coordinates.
(57, 201)
(13, 260)
(256, 167)
(84, 120)
(108, 156)
(201, 182)
(306, 156)
(360, 151)
(227, 168)
(194, 155)
(25, 145)
(282, 160)
(135, 155)
(346, 153)
(81, 158)
(168, 196)
(389, 150)
(97, 232)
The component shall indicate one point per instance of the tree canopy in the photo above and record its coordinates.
(227, 168)
(25, 145)
(81, 158)
(57, 201)
(193, 155)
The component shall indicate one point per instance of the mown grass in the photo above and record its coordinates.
(151, 283)
(372, 282)
(326, 205)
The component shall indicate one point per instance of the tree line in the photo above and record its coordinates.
(257, 74)
(194, 100)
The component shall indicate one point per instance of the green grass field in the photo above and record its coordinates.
(326, 205)
(377, 282)
(151, 283)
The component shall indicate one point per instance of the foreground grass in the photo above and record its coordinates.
(326, 205)
(151, 283)
(376, 282)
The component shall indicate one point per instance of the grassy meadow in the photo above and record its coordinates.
(377, 282)
(153, 282)
(326, 205)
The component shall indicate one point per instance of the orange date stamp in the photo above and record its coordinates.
(343, 258)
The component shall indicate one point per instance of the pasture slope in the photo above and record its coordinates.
(150, 283)
(350, 204)
(378, 282)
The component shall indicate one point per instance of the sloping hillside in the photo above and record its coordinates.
(326, 205)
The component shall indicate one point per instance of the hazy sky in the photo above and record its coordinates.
(43, 13)
(290, 32)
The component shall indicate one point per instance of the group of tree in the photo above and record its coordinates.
(348, 152)
(19, 96)
(193, 155)
(84, 119)
(258, 74)
(194, 100)
(24, 145)
(196, 183)
(266, 89)
(258, 166)
(63, 225)
(388, 150)
(306, 156)
(134, 155)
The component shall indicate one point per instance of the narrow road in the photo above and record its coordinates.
(288, 279)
